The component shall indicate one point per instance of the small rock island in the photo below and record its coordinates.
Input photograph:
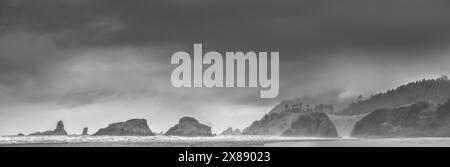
(85, 131)
(132, 127)
(189, 126)
(230, 132)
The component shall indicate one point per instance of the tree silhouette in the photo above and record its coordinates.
(435, 90)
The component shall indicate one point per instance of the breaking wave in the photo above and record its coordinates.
(140, 139)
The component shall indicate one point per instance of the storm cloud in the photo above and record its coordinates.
(76, 57)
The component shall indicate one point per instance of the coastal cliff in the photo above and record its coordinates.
(421, 119)
(288, 119)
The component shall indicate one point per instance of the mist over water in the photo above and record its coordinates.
(344, 124)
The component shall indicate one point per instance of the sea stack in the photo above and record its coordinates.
(58, 131)
(230, 132)
(132, 127)
(316, 124)
(189, 126)
(85, 131)
(237, 132)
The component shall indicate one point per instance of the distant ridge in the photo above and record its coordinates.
(421, 119)
(436, 90)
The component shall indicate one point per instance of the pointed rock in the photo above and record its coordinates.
(60, 129)
(85, 131)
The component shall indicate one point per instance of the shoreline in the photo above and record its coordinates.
(227, 141)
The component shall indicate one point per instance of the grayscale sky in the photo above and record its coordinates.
(94, 62)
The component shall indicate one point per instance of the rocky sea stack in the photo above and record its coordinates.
(421, 119)
(188, 126)
(85, 131)
(316, 124)
(230, 132)
(132, 127)
(58, 131)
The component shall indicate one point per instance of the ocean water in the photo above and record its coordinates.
(252, 141)
(77, 140)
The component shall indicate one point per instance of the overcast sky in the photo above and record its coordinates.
(94, 62)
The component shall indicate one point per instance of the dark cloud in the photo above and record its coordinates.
(308, 30)
(83, 52)
(290, 26)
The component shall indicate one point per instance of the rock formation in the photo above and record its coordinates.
(188, 126)
(132, 127)
(20, 134)
(230, 132)
(272, 124)
(436, 90)
(237, 132)
(421, 119)
(316, 124)
(280, 119)
(58, 131)
(85, 131)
